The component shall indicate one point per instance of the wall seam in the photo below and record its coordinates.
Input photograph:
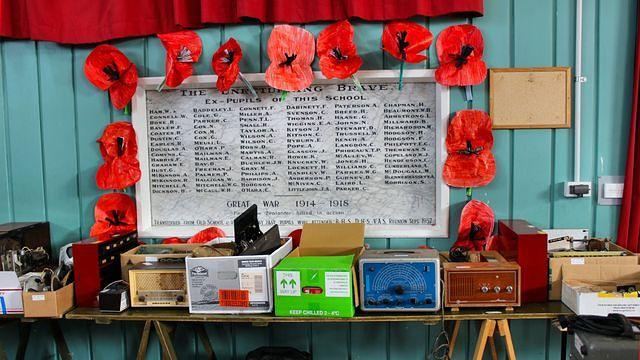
(7, 139)
(40, 127)
(596, 65)
(76, 135)
(554, 155)
(512, 135)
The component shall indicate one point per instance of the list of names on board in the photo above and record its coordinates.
(331, 153)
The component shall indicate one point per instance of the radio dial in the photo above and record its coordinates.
(496, 289)
(509, 289)
(484, 289)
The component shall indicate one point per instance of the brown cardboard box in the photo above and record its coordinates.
(48, 304)
(130, 258)
(331, 240)
(582, 284)
(556, 266)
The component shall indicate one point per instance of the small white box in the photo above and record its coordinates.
(10, 293)
(584, 299)
(233, 284)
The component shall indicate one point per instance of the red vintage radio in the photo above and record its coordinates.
(96, 263)
(519, 241)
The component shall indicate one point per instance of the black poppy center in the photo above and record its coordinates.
(229, 55)
(184, 55)
(289, 59)
(462, 58)
(470, 149)
(475, 231)
(111, 71)
(120, 143)
(338, 54)
(115, 219)
(401, 37)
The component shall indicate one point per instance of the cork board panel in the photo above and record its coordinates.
(530, 98)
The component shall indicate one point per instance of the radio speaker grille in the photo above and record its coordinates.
(462, 285)
(146, 281)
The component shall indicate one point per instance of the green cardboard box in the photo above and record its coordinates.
(318, 278)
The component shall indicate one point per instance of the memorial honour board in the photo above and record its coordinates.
(331, 153)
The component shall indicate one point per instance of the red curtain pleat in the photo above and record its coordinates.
(91, 21)
(629, 227)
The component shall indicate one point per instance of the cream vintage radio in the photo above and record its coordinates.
(483, 279)
(158, 285)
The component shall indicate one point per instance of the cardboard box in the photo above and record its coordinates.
(233, 284)
(48, 304)
(318, 278)
(582, 285)
(556, 264)
(131, 257)
(10, 293)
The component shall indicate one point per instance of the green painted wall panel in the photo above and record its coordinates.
(57, 115)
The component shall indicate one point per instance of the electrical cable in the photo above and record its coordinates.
(440, 349)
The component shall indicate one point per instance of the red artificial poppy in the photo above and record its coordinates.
(206, 235)
(108, 68)
(470, 162)
(476, 226)
(337, 51)
(460, 49)
(183, 49)
(291, 51)
(225, 64)
(119, 150)
(173, 240)
(295, 236)
(115, 213)
(406, 40)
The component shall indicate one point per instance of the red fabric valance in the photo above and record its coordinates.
(91, 21)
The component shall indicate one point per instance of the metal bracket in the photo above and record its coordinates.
(581, 79)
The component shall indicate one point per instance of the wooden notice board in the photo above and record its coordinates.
(530, 98)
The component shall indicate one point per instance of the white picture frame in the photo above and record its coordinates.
(143, 193)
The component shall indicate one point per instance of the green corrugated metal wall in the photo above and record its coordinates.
(50, 117)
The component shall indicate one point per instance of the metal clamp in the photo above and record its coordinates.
(581, 79)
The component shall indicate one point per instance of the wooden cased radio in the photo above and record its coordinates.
(158, 285)
(486, 280)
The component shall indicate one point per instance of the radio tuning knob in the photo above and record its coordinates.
(496, 289)
(509, 289)
(484, 289)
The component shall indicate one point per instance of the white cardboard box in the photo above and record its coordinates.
(582, 284)
(10, 293)
(245, 282)
(583, 299)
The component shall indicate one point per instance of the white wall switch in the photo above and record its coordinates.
(610, 190)
(613, 191)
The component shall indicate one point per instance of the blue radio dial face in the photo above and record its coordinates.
(400, 285)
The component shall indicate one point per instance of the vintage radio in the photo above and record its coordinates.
(519, 241)
(158, 285)
(400, 280)
(486, 280)
(96, 263)
(25, 247)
